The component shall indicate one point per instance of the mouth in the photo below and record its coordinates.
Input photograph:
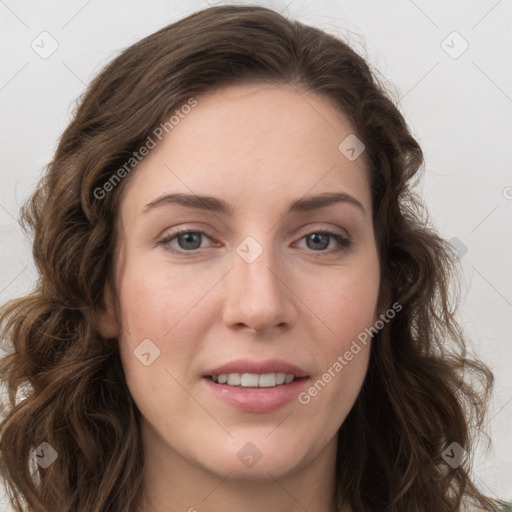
(256, 387)
(254, 380)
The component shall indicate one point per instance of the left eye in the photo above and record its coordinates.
(190, 241)
(319, 240)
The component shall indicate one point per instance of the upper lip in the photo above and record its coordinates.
(259, 367)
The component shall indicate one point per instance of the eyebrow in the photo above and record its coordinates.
(214, 204)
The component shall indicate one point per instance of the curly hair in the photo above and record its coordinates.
(416, 398)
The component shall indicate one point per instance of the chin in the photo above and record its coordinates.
(258, 458)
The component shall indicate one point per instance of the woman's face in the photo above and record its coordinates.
(256, 287)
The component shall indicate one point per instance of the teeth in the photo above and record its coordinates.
(267, 380)
(254, 380)
(234, 379)
(249, 380)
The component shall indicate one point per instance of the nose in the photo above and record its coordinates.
(259, 295)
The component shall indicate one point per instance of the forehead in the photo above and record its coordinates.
(257, 141)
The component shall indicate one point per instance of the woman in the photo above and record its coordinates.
(240, 306)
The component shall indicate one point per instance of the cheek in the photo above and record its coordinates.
(349, 316)
(346, 302)
(343, 354)
(346, 306)
(151, 306)
(156, 299)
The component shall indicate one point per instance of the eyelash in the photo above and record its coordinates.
(344, 242)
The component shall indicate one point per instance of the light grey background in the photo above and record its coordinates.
(458, 104)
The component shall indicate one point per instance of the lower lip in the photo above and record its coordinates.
(257, 399)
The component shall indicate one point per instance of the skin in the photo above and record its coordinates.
(259, 147)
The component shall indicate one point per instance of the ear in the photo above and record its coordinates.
(107, 321)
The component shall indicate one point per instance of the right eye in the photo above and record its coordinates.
(190, 241)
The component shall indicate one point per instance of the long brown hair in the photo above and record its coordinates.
(416, 399)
